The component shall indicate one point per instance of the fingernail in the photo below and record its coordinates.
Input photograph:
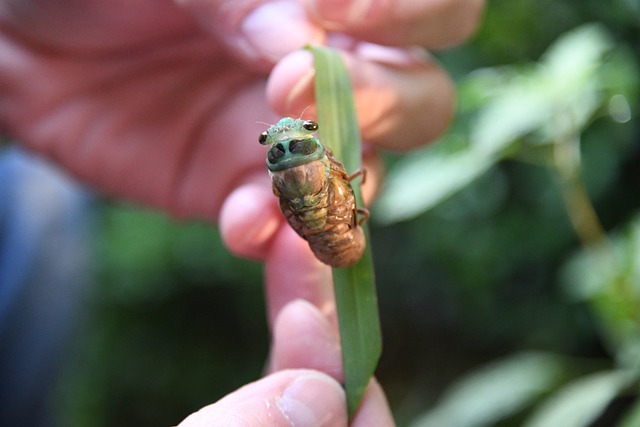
(313, 401)
(278, 28)
(339, 11)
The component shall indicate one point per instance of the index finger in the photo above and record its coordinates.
(429, 23)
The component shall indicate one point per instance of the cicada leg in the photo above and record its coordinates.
(360, 172)
(364, 215)
(363, 212)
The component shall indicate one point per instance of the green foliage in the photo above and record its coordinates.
(538, 113)
(177, 323)
(581, 402)
(608, 277)
(510, 112)
(489, 394)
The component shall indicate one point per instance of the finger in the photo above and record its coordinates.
(219, 155)
(304, 338)
(292, 272)
(402, 100)
(301, 398)
(257, 31)
(430, 23)
(103, 26)
(249, 219)
(374, 409)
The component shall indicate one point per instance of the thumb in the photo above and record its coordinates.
(298, 398)
(259, 32)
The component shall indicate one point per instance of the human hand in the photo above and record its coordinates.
(291, 396)
(157, 101)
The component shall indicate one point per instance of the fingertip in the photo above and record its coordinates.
(259, 32)
(374, 409)
(403, 100)
(314, 400)
(305, 338)
(277, 28)
(290, 88)
(303, 398)
(249, 219)
(429, 23)
(335, 15)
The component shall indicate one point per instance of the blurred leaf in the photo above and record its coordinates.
(632, 417)
(609, 278)
(145, 255)
(496, 391)
(506, 105)
(592, 271)
(425, 179)
(564, 81)
(582, 401)
(135, 254)
(355, 288)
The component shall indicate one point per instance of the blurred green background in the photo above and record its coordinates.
(503, 300)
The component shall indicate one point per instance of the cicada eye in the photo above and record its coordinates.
(310, 125)
(262, 139)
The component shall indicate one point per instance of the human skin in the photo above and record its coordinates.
(158, 101)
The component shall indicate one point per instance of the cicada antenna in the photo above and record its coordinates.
(304, 111)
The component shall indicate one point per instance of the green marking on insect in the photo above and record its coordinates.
(315, 191)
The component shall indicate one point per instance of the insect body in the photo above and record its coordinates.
(315, 192)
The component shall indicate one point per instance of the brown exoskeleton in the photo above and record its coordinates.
(315, 192)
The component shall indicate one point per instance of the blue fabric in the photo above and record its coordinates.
(45, 241)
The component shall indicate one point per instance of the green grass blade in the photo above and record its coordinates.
(354, 286)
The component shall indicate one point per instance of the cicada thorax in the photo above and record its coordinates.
(315, 193)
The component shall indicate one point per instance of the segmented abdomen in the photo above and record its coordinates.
(338, 246)
(330, 226)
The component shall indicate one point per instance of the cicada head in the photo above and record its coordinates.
(292, 144)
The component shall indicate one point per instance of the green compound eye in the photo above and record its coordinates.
(310, 125)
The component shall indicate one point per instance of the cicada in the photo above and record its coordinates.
(315, 192)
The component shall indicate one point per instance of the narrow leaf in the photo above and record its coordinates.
(580, 402)
(495, 392)
(354, 286)
(425, 179)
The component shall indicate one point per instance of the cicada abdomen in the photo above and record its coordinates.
(315, 192)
